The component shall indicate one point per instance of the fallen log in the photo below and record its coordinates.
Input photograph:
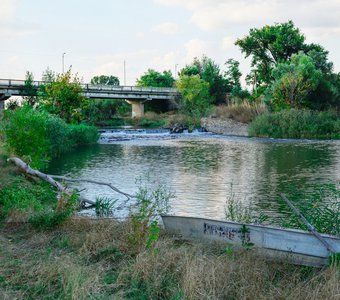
(61, 188)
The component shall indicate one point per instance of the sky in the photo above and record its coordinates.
(99, 35)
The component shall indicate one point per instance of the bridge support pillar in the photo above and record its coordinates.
(137, 108)
(2, 105)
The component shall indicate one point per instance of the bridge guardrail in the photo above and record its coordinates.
(8, 83)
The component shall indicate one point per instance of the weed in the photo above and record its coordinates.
(104, 207)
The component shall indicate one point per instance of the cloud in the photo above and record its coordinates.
(166, 28)
(195, 48)
(13, 29)
(228, 42)
(8, 9)
(212, 15)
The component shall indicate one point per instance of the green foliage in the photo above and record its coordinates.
(269, 46)
(297, 124)
(210, 72)
(102, 112)
(48, 219)
(82, 135)
(287, 76)
(104, 207)
(39, 136)
(26, 134)
(150, 203)
(24, 198)
(63, 97)
(156, 79)
(29, 89)
(105, 80)
(294, 81)
(320, 207)
(196, 100)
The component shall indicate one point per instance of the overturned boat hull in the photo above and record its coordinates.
(290, 245)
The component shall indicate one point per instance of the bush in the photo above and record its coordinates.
(25, 198)
(82, 135)
(39, 136)
(296, 124)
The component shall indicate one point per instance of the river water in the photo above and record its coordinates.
(203, 169)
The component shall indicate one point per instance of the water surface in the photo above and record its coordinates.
(203, 169)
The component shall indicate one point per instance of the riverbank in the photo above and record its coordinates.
(96, 258)
(225, 126)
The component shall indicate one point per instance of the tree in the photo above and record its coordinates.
(30, 90)
(210, 72)
(64, 97)
(105, 80)
(156, 79)
(269, 46)
(196, 99)
(233, 77)
(48, 75)
(294, 81)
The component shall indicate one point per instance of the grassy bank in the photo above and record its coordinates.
(95, 259)
(297, 124)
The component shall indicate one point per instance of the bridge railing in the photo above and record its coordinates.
(13, 83)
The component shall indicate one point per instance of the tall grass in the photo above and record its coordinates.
(298, 124)
(86, 259)
(244, 111)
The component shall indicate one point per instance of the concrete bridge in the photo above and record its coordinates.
(136, 96)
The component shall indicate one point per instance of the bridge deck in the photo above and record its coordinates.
(17, 88)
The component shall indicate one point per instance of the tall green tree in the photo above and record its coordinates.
(210, 72)
(294, 82)
(156, 79)
(64, 98)
(196, 99)
(105, 80)
(30, 90)
(269, 46)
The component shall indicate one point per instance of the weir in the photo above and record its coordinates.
(136, 96)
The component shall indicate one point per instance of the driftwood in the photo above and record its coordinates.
(61, 188)
(310, 226)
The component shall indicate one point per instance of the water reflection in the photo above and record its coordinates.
(202, 171)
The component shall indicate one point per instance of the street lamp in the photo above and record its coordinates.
(176, 70)
(63, 60)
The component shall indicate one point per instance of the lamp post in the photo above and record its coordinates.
(63, 60)
(176, 70)
(124, 72)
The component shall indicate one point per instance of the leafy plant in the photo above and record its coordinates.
(145, 211)
(63, 97)
(104, 207)
(196, 101)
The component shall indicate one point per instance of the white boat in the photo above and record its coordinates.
(290, 245)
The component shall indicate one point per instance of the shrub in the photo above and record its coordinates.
(39, 136)
(296, 123)
(26, 135)
(25, 198)
(82, 134)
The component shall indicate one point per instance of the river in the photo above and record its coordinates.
(203, 169)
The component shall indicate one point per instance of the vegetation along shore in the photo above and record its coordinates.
(47, 251)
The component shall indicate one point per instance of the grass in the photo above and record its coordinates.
(93, 259)
(244, 111)
(297, 124)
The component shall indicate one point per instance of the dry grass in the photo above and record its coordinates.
(244, 112)
(94, 259)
